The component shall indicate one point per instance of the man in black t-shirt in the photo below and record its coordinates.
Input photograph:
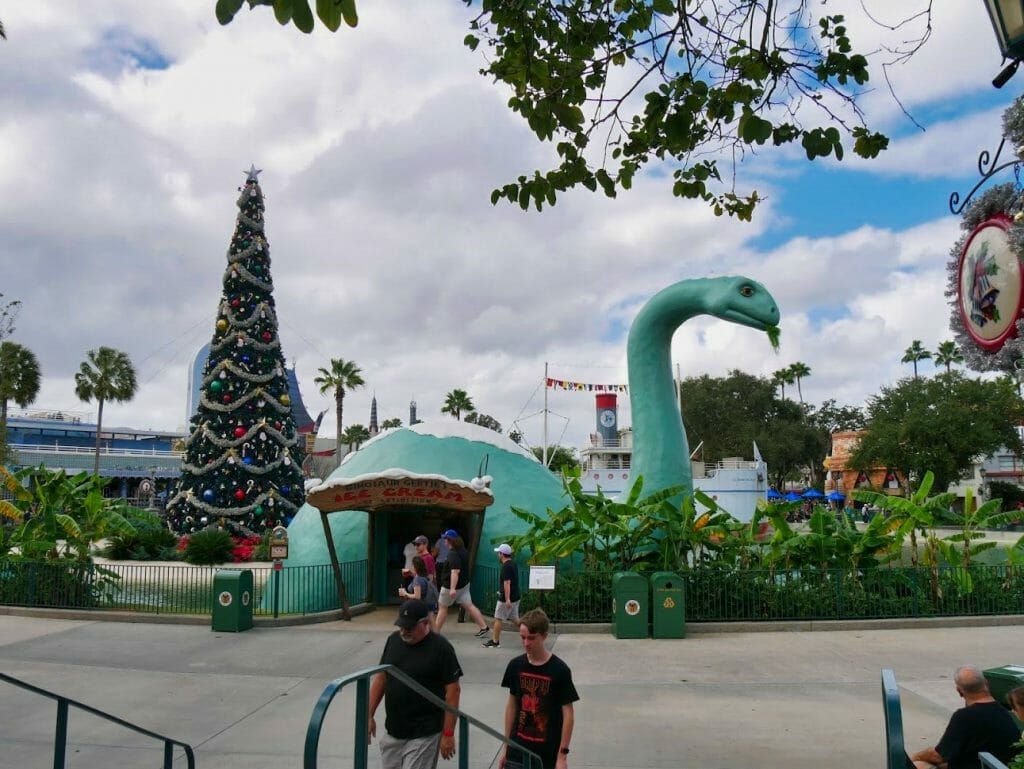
(453, 584)
(507, 608)
(415, 728)
(982, 725)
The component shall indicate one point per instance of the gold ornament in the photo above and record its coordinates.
(1018, 217)
(222, 325)
(285, 400)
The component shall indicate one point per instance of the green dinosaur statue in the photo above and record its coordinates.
(661, 453)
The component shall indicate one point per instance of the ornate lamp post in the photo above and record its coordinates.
(1008, 21)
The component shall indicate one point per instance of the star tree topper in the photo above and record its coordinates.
(252, 173)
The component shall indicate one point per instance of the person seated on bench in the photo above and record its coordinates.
(981, 725)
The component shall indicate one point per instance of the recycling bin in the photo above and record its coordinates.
(232, 600)
(630, 605)
(667, 607)
(1001, 680)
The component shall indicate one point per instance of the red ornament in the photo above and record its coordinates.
(226, 399)
(266, 336)
(236, 302)
(239, 431)
(277, 425)
(239, 495)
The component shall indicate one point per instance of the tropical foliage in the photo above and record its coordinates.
(54, 516)
(948, 354)
(915, 353)
(941, 424)
(355, 436)
(456, 403)
(19, 382)
(770, 569)
(341, 377)
(106, 375)
(48, 526)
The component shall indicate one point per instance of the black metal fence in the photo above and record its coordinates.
(709, 595)
(712, 595)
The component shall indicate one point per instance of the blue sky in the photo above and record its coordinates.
(125, 129)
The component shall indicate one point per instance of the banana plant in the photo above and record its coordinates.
(973, 521)
(60, 516)
(918, 512)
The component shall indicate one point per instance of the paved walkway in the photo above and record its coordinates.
(791, 700)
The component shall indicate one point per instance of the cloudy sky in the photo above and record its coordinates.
(125, 128)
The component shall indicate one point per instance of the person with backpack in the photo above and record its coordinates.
(422, 589)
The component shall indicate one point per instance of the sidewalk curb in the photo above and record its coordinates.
(596, 628)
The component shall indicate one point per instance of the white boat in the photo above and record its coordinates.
(735, 483)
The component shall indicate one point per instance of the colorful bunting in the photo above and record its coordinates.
(561, 384)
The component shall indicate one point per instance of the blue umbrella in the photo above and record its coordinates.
(792, 496)
(773, 494)
(812, 494)
(836, 496)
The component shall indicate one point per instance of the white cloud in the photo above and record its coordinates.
(380, 147)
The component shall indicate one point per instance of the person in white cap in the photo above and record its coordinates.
(507, 609)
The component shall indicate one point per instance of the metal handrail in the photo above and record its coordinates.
(895, 750)
(361, 736)
(988, 761)
(60, 737)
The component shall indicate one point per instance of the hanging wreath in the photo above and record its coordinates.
(985, 285)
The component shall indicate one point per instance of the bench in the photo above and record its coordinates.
(895, 750)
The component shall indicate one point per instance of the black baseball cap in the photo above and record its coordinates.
(411, 614)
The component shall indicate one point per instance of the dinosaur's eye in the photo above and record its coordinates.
(747, 291)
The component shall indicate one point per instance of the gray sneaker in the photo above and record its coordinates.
(483, 632)
(490, 644)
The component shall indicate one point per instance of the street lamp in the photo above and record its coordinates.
(1008, 22)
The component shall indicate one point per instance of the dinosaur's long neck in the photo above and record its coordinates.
(660, 449)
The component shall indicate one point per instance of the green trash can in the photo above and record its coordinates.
(1001, 680)
(667, 607)
(630, 599)
(232, 600)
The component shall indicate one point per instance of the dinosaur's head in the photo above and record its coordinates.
(742, 300)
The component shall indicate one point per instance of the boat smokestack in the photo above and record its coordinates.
(607, 418)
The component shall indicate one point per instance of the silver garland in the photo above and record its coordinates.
(231, 512)
(258, 392)
(228, 313)
(238, 371)
(233, 443)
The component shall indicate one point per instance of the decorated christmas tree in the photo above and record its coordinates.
(242, 458)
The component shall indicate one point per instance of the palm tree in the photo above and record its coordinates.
(355, 436)
(2, 33)
(456, 403)
(19, 379)
(781, 378)
(107, 375)
(914, 353)
(390, 424)
(948, 354)
(343, 375)
(799, 370)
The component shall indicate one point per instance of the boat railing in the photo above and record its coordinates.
(597, 442)
(51, 415)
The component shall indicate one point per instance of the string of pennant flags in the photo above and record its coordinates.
(563, 384)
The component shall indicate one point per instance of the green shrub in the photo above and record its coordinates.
(209, 546)
(145, 545)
